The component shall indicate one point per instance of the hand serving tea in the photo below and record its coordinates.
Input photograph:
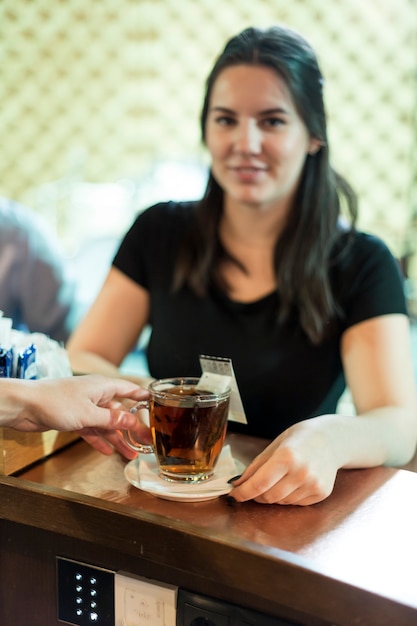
(188, 421)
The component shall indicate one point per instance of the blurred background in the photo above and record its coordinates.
(100, 104)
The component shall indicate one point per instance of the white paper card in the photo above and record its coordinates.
(223, 366)
(216, 383)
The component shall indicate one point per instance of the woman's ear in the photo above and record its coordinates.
(315, 145)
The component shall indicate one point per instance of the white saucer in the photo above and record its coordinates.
(143, 474)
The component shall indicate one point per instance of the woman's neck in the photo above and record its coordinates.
(247, 225)
(249, 236)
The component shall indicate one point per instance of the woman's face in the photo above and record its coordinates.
(257, 141)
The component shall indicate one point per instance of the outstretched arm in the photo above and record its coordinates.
(95, 406)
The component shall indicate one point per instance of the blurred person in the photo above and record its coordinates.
(269, 270)
(36, 290)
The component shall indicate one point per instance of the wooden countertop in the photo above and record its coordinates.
(348, 560)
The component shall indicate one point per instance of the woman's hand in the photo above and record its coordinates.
(298, 467)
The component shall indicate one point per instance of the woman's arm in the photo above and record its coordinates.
(300, 466)
(111, 327)
(379, 372)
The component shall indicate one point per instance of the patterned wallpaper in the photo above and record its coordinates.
(99, 96)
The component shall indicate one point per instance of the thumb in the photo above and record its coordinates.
(125, 420)
(116, 419)
(108, 418)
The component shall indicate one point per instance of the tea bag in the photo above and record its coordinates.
(216, 383)
(213, 366)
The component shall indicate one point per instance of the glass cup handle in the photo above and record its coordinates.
(131, 442)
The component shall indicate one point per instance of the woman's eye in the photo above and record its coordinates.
(273, 122)
(225, 120)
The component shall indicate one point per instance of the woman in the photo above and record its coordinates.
(267, 271)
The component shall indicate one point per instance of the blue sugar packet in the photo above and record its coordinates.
(26, 363)
(6, 362)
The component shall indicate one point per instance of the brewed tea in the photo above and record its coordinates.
(188, 429)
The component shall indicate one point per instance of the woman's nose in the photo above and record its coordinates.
(248, 138)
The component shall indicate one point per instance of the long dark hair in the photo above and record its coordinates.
(303, 250)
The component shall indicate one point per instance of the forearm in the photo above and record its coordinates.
(89, 363)
(15, 395)
(379, 372)
(383, 436)
(83, 362)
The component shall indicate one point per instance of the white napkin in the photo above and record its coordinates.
(151, 481)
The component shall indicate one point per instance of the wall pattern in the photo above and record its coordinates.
(94, 95)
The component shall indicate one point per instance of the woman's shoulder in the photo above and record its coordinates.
(168, 213)
(160, 225)
(355, 248)
(366, 276)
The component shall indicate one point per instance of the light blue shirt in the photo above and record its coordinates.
(36, 289)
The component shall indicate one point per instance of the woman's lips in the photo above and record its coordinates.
(247, 172)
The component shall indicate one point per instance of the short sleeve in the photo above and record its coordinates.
(133, 251)
(149, 249)
(369, 282)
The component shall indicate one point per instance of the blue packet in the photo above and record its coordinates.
(6, 362)
(26, 363)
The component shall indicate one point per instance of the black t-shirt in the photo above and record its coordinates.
(282, 377)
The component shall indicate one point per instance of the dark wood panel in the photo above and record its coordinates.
(344, 561)
(28, 555)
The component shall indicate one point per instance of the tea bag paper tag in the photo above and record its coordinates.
(219, 366)
(216, 383)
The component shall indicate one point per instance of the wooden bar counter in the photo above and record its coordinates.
(350, 560)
